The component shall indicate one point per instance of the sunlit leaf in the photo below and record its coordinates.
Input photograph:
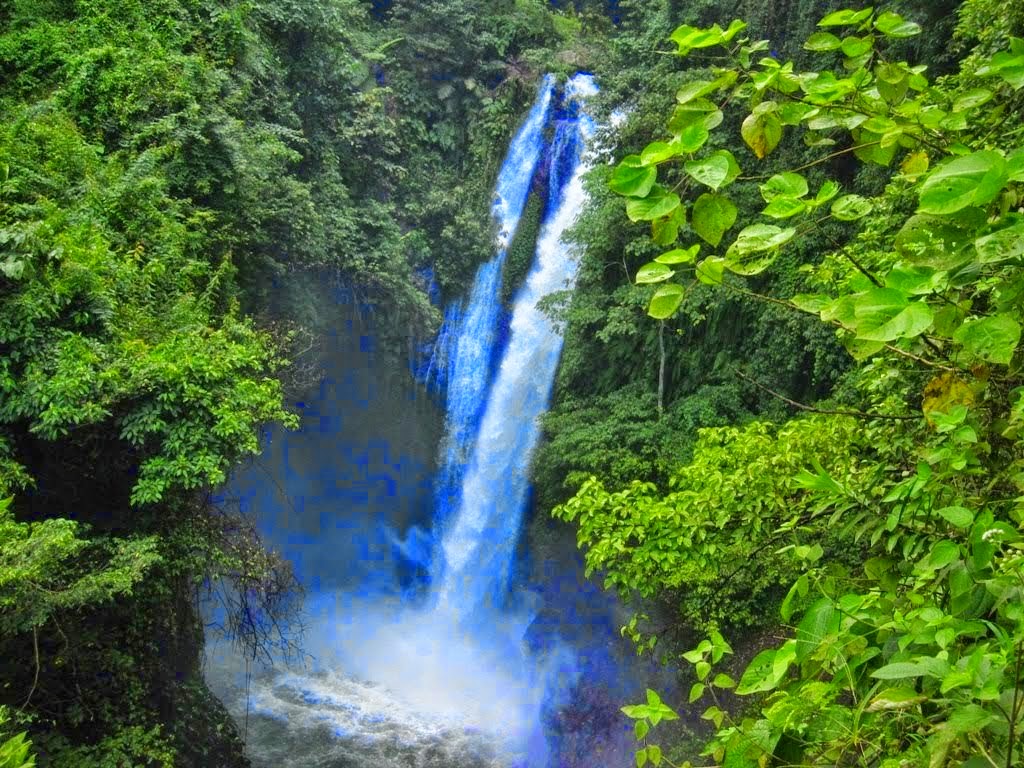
(791, 185)
(713, 216)
(679, 255)
(846, 18)
(975, 179)
(893, 25)
(851, 208)
(658, 203)
(712, 171)
(653, 272)
(632, 178)
(823, 41)
(993, 339)
(885, 315)
(666, 301)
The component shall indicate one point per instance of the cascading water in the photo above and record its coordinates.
(473, 331)
(449, 680)
(478, 548)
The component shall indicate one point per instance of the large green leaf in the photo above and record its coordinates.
(687, 38)
(993, 339)
(712, 217)
(893, 25)
(679, 255)
(693, 137)
(658, 203)
(855, 47)
(1008, 65)
(789, 185)
(762, 237)
(891, 699)
(915, 280)
(961, 517)
(653, 272)
(825, 88)
(632, 178)
(695, 90)
(756, 248)
(851, 208)
(937, 241)
(734, 167)
(698, 112)
(816, 624)
(973, 99)
(885, 314)
(658, 152)
(711, 171)
(900, 670)
(711, 271)
(760, 674)
(666, 301)
(785, 208)
(974, 179)
(665, 231)
(762, 130)
(823, 41)
(846, 18)
(1003, 244)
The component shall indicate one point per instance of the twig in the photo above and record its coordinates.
(819, 161)
(812, 409)
(35, 681)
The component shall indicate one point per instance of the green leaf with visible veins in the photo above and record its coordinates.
(993, 339)
(711, 171)
(665, 301)
(632, 178)
(885, 314)
(713, 216)
(975, 179)
(653, 272)
(657, 204)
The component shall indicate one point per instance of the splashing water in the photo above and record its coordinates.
(451, 682)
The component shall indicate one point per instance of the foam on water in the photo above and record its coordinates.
(450, 681)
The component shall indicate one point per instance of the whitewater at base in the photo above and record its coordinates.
(447, 674)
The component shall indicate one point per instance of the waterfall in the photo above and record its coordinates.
(470, 334)
(479, 545)
(395, 680)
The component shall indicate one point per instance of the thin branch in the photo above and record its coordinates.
(919, 359)
(819, 161)
(827, 412)
(35, 681)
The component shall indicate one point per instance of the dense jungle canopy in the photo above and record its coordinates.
(787, 424)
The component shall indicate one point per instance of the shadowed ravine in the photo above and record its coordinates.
(428, 646)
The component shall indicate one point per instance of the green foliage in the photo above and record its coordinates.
(47, 568)
(712, 541)
(127, 746)
(902, 500)
(15, 751)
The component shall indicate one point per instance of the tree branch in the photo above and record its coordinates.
(812, 409)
